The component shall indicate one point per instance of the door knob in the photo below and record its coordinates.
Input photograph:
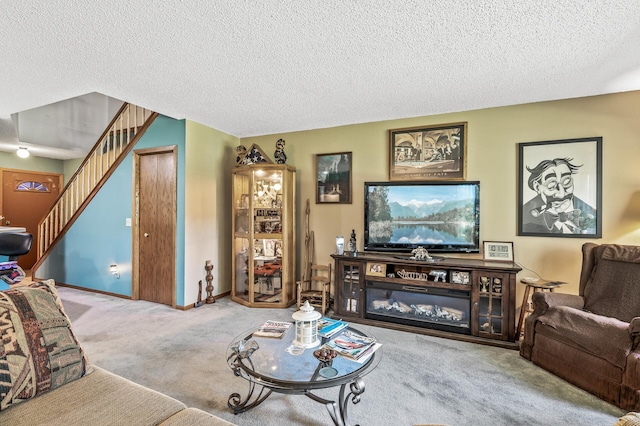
(146, 234)
(7, 222)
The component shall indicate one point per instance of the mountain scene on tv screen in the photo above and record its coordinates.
(412, 215)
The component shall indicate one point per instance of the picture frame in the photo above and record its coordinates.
(269, 248)
(244, 201)
(560, 188)
(435, 152)
(499, 251)
(333, 178)
(461, 277)
(376, 269)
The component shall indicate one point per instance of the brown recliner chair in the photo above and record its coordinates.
(591, 339)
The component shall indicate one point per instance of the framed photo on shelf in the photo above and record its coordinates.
(498, 251)
(560, 188)
(244, 201)
(428, 152)
(333, 178)
(376, 269)
(460, 277)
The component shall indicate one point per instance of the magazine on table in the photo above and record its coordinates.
(328, 327)
(273, 329)
(365, 355)
(352, 345)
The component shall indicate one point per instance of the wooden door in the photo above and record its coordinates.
(155, 233)
(26, 198)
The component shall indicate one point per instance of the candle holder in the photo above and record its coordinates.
(306, 326)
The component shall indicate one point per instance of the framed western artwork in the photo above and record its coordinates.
(428, 152)
(560, 188)
(333, 178)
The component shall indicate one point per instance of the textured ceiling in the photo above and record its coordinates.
(263, 67)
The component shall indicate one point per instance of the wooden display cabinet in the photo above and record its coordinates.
(263, 224)
(465, 299)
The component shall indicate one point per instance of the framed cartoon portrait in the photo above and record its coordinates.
(333, 178)
(560, 188)
(428, 152)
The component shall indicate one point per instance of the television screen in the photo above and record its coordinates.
(441, 217)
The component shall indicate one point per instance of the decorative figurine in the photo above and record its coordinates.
(209, 277)
(279, 154)
(438, 275)
(420, 253)
(353, 247)
(241, 150)
(484, 285)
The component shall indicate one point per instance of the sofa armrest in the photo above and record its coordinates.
(543, 300)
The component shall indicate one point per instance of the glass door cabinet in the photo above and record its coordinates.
(263, 235)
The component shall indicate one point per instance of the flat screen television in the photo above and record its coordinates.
(442, 217)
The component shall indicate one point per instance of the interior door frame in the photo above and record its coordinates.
(135, 226)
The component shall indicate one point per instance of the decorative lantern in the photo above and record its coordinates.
(306, 326)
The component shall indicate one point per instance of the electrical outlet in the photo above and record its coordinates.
(127, 222)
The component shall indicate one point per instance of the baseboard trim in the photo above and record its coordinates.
(191, 306)
(90, 290)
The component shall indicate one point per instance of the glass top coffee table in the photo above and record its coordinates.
(269, 365)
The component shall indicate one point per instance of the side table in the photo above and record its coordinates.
(525, 309)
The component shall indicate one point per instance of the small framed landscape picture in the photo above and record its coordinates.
(497, 250)
(376, 269)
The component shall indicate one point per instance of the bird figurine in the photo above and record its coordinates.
(279, 154)
(241, 150)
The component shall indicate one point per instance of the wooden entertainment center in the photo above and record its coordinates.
(458, 298)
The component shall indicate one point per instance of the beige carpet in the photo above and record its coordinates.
(421, 379)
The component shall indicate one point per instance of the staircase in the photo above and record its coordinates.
(120, 136)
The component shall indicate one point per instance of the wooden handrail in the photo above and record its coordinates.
(117, 140)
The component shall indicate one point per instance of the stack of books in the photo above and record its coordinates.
(10, 272)
(328, 327)
(353, 345)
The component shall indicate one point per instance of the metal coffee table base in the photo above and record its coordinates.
(338, 410)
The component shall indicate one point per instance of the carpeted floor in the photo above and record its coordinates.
(421, 379)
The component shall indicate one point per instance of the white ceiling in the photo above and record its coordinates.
(249, 67)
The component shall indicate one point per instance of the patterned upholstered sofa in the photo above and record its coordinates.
(45, 378)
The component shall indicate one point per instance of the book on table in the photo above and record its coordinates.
(272, 328)
(328, 327)
(353, 345)
(8, 265)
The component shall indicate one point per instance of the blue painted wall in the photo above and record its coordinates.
(99, 237)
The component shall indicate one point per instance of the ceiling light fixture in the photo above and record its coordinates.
(22, 152)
